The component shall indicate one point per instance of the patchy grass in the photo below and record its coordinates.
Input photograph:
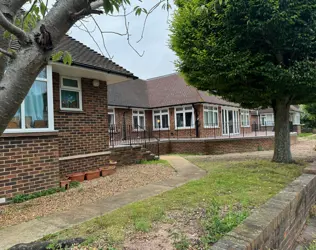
(307, 136)
(312, 246)
(248, 183)
(163, 162)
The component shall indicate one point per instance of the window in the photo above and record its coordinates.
(185, 117)
(244, 115)
(70, 94)
(138, 119)
(210, 116)
(161, 119)
(267, 120)
(296, 119)
(36, 111)
(111, 118)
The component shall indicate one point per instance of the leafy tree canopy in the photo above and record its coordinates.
(252, 52)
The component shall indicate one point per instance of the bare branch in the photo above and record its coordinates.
(7, 53)
(103, 40)
(147, 15)
(19, 33)
(128, 35)
(97, 4)
(87, 30)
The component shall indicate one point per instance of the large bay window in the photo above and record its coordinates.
(36, 111)
(244, 115)
(70, 94)
(267, 120)
(138, 119)
(184, 117)
(210, 116)
(161, 119)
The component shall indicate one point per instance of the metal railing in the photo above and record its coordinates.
(130, 135)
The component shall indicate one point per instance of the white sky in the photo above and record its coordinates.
(158, 58)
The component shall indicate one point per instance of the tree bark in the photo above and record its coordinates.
(30, 59)
(282, 143)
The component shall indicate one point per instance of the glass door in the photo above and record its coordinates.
(230, 122)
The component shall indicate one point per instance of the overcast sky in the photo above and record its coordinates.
(158, 59)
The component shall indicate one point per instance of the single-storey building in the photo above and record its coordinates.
(167, 107)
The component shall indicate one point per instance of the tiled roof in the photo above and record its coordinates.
(131, 93)
(172, 90)
(83, 56)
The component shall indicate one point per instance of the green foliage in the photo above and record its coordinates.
(309, 115)
(65, 56)
(25, 197)
(114, 5)
(142, 224)
(181, 241)
(217, 223)
(312, 246)
(249, 52)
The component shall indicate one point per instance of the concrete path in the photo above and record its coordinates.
(35, 229)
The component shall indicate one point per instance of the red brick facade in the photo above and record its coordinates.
(28, 164)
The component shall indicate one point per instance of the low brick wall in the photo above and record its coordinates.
(278, 223)
(28, 164)
(124, 155)
(215, 146)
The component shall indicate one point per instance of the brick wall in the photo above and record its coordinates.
(82, 132)
(28, 164)
(276, 224)
(215, 146)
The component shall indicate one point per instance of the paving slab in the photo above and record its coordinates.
(36, 229)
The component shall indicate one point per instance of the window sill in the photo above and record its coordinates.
(245, 126)
(184, 128)
(29, 133)
(211, 127)
(162, 129)
(71, 111)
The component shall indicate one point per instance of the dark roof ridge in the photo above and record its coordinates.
(162, 76)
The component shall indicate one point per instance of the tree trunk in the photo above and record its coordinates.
(282, 144)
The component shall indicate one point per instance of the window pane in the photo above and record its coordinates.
(110, 119)
(135, 112)
(179, 109)
(42, 74)
(156, 111)
(164, 111)
(165, 122)
(142, 122)
(206, 118)
(188, 119)
(36, 115)
(156, 121)
(15, 121)
(215, 119)
(180, 122)
(70, 99)
(135, 122)
(141, 112)
(188, 108)
(110, 111)
(70, 83)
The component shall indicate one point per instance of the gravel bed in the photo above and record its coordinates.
(127, 177)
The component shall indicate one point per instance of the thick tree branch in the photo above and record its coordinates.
(7, 53)
(19, 33)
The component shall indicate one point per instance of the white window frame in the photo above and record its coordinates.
(295, 120)
(212, 111)
(183, 111)
(67, 88)
(245, 112)
(160, 115)
(50, 108)
(270, 123)
(112, 113)
(138, 115)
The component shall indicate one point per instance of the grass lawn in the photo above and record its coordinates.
(243, 184)
(307, 135)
